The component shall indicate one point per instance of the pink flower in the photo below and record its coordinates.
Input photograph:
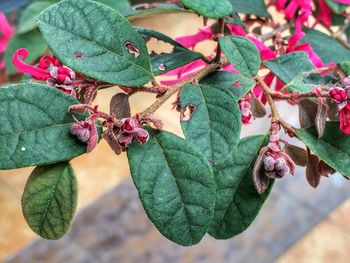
(306, 47)
(244, 106)
(6, 32)
(344, 119)
(324, 13)
(58, 76)
(297, 10)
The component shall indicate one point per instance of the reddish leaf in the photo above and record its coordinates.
(261, 181)
(298, 155)
(312, 174)
(119, 106)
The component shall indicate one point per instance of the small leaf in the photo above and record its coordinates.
(176, 186)
(297, 154)
(312, 175)
(49, 200)
(257, 108)
(261, 181)
(250, 7)
(288, 66)
(324, 169)
(345, 67)
(215, 123)
(109, 47)
(35, 126)
(237, 201)
(29, 17)
(119, 106)
(326, 47)
(32, 41)
(211, 9)
(164, 62)
(321, 117)
(242, 54)
(332, 147)
(238, 85)
(307, 113)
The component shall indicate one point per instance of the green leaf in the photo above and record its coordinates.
(164, 62)
(35, 126)
(94, 39)
(235, 83)
(250, 7)
(29, 17)
(119, 5)
(237, 200)
(345, 66)
(333, 147)
(326, 47)
(242, 54)
(306, 82)
(176, 186)
(144, 10)
(214, 125)
(288, 66)
(336, 7)
(49, 200)
(32, 41)
(211, 9)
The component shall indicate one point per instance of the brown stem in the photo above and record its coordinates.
(271, 34)
(275, 117)
(221, 28)
(171, 90)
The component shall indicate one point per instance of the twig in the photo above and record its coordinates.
(171, 90)
(221, 28)
(271, 34)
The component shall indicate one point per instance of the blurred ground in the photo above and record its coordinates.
(297, 224)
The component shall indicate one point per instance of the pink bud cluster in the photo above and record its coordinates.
(49, 69)
(119, 134)
(277, 163)
(129, 129)
(245, 108)
(341, 95)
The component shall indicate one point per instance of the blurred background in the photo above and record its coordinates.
(297, 223)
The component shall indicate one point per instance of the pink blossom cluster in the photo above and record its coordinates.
(49, 69)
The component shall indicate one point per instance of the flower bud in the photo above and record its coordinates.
(279, 164)
(284, 171)
(84, 135)
(127, 125)
(346, 82)
(269, 163)
(124, 139)
(141, 135)
(338, 94)
(75, 128)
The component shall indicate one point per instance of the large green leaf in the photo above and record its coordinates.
(235, 83)
(214, 125)
(237, 200)
(164, 62)
(242, 54)
(209, 8)
(251, 7)
(144, 10)
(29, 17)
(35, 126)
(176, 186)
(333, 147)
(326, 47)
(32, 41)
(97, 41)
(288, 66)
(49, 200)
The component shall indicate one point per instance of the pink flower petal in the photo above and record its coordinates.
(18, 61)
(191, 41)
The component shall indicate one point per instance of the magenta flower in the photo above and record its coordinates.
(131, 129)
(49, 69)
(6, 32)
